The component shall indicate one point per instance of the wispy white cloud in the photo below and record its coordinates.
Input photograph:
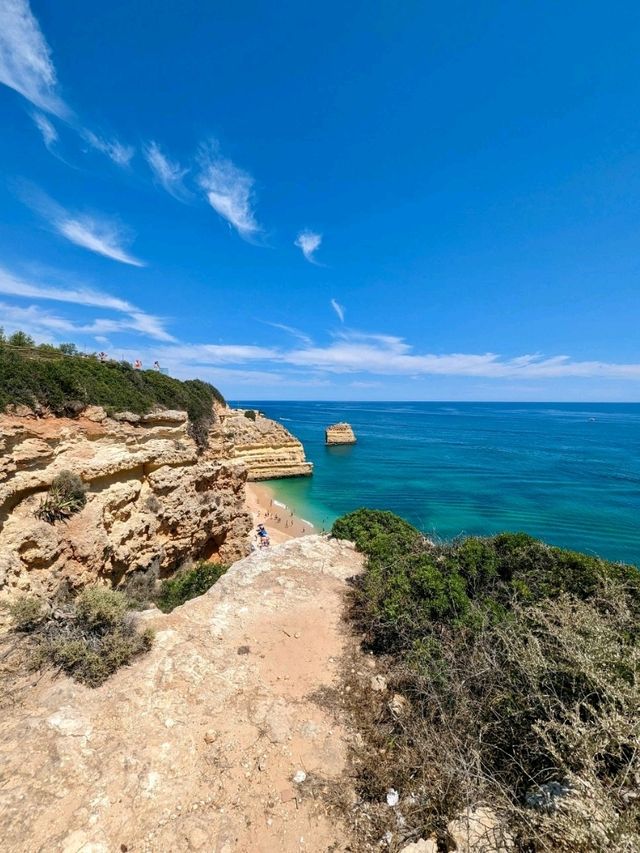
(212, 354)
(291, 330)
(135, 320)
(96, 233)
(39, 323)
(168, 174)
(25, 58)
(111, 148)
(339, 309)
(309, 243)
(388, 355)
(46, 128)
(228, 189)
(27, 67)
(99, 236)
(12, 285)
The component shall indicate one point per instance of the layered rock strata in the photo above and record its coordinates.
(152, 500)
(339, 434)
(267, 449)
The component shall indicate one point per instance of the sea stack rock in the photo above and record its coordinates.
(339, 434)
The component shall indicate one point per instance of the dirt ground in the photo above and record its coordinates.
(214, 741)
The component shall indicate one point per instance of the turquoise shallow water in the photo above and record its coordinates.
(567, 473)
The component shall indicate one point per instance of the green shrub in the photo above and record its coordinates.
(188, 584)
(101, 608)
(375, 531)
(66, 496)
(26, 612)
(20, 339)
(93, 663)
(520, 662)
(88, 638)
(65, 383)
(411, 584)
(250, 414)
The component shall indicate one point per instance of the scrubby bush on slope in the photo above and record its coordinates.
(63, 383)
(188, 584)
(89, 638)
(520, 662)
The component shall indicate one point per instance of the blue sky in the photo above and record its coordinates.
(339, 201)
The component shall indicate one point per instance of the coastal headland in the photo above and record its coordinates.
(167, 684)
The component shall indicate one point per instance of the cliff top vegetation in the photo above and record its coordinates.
(64, 381)
(517, 664)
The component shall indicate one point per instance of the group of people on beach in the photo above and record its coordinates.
(279, 518)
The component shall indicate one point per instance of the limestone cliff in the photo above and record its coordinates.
(151, 499)
(265, 446)
(340, 434)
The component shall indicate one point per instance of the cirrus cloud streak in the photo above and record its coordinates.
(135, 318)
(25, 58)
(388, 355)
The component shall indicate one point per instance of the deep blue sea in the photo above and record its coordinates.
(567, 473)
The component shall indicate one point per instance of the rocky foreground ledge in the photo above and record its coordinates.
(210, 741)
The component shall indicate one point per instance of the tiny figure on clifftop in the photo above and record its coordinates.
(263, 536)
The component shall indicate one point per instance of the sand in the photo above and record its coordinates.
(281, 523)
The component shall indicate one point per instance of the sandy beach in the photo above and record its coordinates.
(280, 521)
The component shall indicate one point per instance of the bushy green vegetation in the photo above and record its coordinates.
(66, 496)
(64, 381)
(89, 637)
(93, 634)
(250, 414)
(188, 584)
(520, 664)
(25, 612)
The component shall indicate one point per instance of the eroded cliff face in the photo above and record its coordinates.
(265, 446)
(151, 499)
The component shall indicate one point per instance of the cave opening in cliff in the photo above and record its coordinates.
(210, 551)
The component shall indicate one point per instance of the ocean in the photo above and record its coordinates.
(566, 473)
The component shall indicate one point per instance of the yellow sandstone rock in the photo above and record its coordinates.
(339, 434)
(152, 499)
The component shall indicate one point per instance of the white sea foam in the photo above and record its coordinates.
(277, 503)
